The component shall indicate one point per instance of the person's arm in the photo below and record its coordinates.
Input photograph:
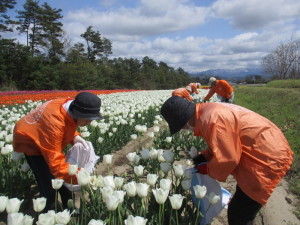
(51, 148)
(225, 149)
(210, 94)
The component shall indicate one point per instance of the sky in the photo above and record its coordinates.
(195, 35)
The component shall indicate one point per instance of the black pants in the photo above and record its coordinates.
(43, 177)
(242, 209)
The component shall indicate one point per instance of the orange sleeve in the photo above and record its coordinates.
(182, 92)
(210, 94)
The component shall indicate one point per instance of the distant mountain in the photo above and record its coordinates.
(231, 74)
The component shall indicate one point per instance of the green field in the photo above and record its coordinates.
(278, 101)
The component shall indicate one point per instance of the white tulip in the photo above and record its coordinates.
(200, 191)
(213, 198)
(63, 217)
(106, 191)
(176, 201)
(155, 129)
(100, 139)
(142, 190)
(120, 195)
(6, 149)
(145, 154)
(15, 219)
(151, 179)
(165, 167)
(46, 218)
(39, 204)
(137, 220)
(169, 139)
(28, 220)
(138, 170)
(57, 183)
(178, 170)
(109, 181)
(130, 156)
(25, 167)
(13, 205)
(133, 136)
(83, 177)
(165, 184)
(16, 156)
(119, 181)
(3, 203)
(168, 156)
(160, 195)
(96, 222)
(107, 159)
(72, 169)
(153, 153)
(150, 134)
(112, 202)
(130, 188)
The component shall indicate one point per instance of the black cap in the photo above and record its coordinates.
(86, 105)
(177, 112)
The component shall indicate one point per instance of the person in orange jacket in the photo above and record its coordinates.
(222, 88)
(45, 132)
(184, 93)
(241, 143)
(195, 87)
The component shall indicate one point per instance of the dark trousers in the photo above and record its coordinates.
(242, 209)
(43, 177)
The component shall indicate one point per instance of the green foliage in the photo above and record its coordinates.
(284, 83)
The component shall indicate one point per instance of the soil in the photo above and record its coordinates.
(278, 210)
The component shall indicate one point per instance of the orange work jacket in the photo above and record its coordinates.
(244, 144)
(222, 88)
(183, 93)
(194, 88)
(46, 131)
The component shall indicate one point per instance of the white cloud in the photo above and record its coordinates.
(256, 14)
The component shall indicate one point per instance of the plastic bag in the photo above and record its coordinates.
(211, 185)
(84, 158)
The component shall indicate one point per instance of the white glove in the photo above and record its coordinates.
(79, 139)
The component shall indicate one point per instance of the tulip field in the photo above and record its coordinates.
(156, 190)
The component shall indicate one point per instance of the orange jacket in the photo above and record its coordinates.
(46, 131)
(244, 144)
(222, 88)
(194, 88)
(183, 93)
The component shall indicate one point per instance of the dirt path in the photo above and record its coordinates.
(278, 210)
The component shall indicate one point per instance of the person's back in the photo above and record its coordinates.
(183, 93)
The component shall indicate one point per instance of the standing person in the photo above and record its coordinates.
(240, 142)
(183, 93)
(195, 87)
(222, 88)
(44, 133)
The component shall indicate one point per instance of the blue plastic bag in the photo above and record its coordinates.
(212, 186)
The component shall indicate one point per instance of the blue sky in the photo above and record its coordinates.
(196, 35)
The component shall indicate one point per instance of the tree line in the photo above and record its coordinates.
(49, 61)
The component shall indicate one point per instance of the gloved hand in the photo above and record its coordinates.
(204, 101)
(202, 168)
(199, 159)
(79, 139)
(226, 99)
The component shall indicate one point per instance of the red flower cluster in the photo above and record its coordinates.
(12, 98)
